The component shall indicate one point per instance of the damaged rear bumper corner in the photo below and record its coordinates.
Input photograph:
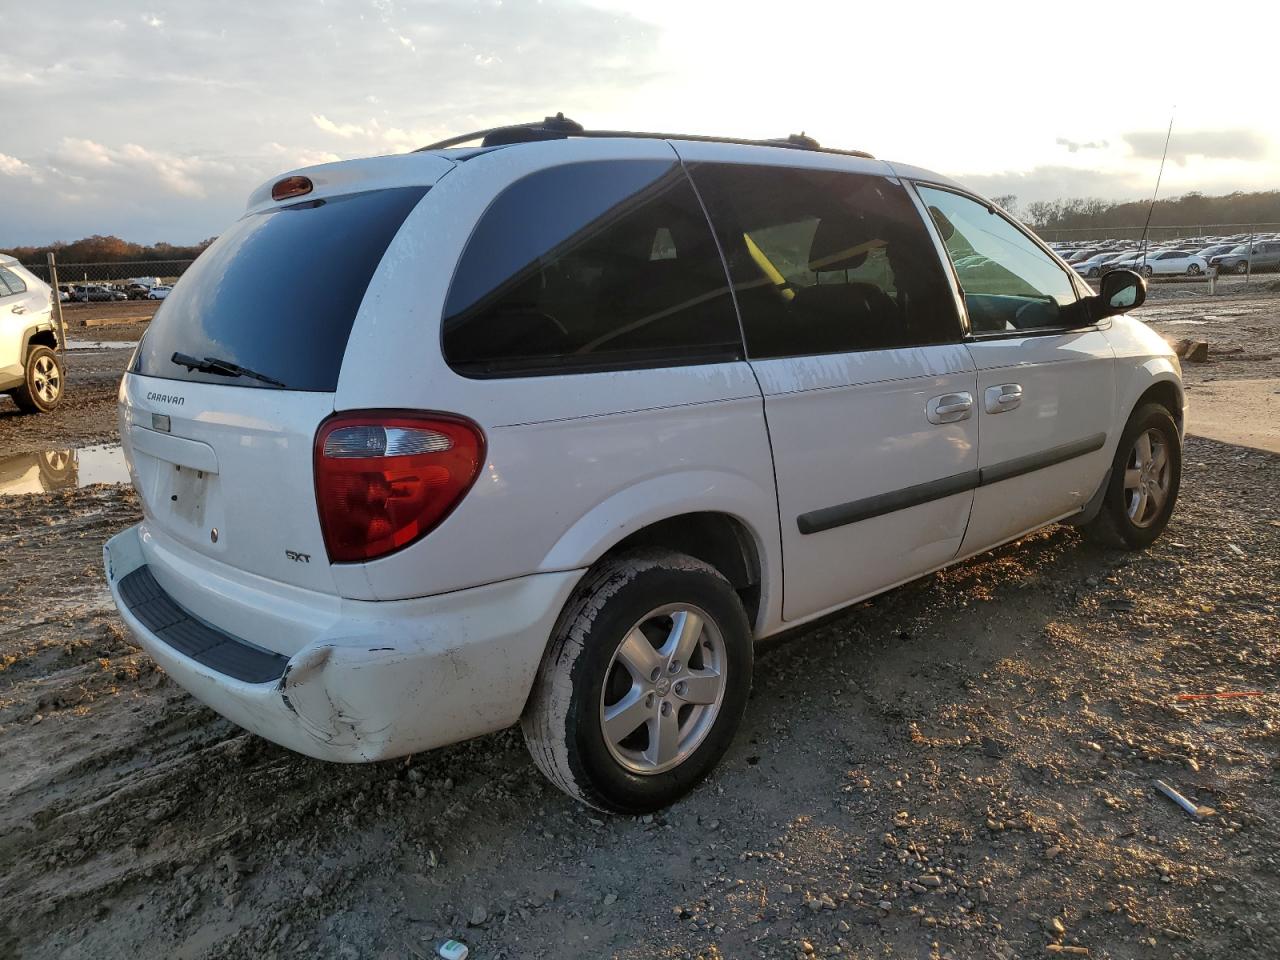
(386, 679)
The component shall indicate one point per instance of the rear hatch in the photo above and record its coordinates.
(220, 409)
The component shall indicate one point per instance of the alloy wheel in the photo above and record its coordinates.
(1147, 478)
(46, 380)
(663, 689)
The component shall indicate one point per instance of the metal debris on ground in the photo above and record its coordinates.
(454, 950)
(1196, 811)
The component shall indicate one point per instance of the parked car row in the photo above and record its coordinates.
(1192, 256)
(139, 288)
(92, 292)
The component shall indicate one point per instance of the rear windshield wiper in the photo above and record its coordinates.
(222, 367)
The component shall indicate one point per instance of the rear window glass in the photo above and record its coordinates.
(591, 266)
(278, 292)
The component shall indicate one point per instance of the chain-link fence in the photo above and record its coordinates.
(122, 271)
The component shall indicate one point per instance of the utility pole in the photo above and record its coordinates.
(57, 301)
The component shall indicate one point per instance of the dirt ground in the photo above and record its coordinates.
(1235, 395)
(98, 314)
(961, 768)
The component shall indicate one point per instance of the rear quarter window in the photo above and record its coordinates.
(11, 283)
(278, 292)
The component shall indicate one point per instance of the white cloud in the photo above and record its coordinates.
(198, 117)
(1239, 144)
(132, 167)
(376, 138)
(344, 130)
(13, 167)
(75, 152)
(1075, 146)
(309, 158)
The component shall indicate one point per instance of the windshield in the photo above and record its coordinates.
(278, 292)
(1243, 248)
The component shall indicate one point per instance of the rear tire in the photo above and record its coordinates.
(42, 383)
(644, 683)
(1194, 270)
(1145, 477)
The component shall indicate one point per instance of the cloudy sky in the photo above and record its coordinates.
(154, 120)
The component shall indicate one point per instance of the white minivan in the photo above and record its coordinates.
(552, 429)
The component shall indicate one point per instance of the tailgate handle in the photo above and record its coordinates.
(171, 449)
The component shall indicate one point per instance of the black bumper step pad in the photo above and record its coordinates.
(194, 638)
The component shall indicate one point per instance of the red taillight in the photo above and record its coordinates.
(384, 480)
(290, 187)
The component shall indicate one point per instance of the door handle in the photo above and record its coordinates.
(1003, 397)
(949, 407)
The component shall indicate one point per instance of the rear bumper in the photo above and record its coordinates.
(381, 680)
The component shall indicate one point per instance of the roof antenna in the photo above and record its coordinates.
(1142, 245)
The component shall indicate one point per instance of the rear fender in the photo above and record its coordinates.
(659, 498)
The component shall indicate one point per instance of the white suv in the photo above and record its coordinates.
(30, 368)
(553, 429)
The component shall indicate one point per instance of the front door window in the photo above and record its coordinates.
(1009, 282)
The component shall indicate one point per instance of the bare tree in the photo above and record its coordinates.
(1009, 201)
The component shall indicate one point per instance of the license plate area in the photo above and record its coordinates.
(186, 493)
(179, 480)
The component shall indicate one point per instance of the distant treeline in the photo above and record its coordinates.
(106, 250)
(1189, 210)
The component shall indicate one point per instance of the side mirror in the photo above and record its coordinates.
(1121, 290)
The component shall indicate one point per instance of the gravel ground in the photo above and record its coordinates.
(1235, 395)
(960, 768)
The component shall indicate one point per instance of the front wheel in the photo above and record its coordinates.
(1093, 272)
(42, 382)
(643, 685)
(1194, 270)
(1147, 271)
(1242, 267)
(1145, 477)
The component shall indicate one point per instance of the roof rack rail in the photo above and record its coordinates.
(560, 127)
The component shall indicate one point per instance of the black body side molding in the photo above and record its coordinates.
(827, 518)
(815, 521)
(1038, 461)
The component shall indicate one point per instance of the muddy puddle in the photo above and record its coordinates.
(44, 471)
